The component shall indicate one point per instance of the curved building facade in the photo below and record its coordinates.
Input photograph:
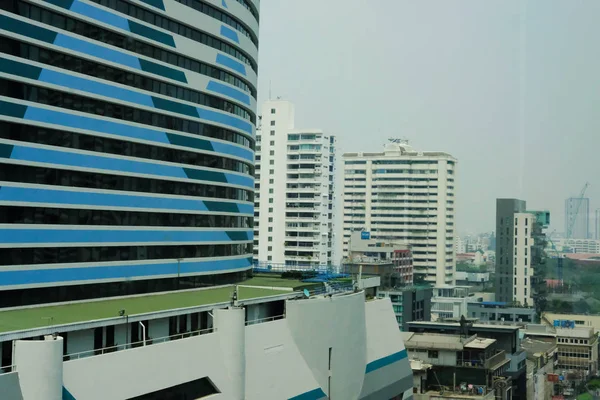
(126, 146)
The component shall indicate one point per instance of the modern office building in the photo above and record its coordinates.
(127, 136)
(577, 218)
(294, 205)
(520, 243)
(407, 195)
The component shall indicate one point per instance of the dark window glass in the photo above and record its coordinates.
(59, 177)
(67, 216)
(53, 255)
(118, 111)
(128, 43)
(36, 134)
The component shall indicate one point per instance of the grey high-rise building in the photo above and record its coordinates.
(505, 238)
(577, 218)
(519, 248)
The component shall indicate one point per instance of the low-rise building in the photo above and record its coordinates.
(390, 260)
(449, 301)
(507, 338)
(593, 321)
(499, 312)
(410, 303)
(577, 348)
(456, 366)
(542, 357)
(477, 280)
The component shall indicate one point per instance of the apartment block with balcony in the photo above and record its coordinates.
(457, 366)
(507, 338)
(294, 188)
(407, 195)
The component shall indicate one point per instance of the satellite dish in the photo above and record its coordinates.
(306, 293)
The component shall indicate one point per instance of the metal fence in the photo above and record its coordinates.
(141, 343)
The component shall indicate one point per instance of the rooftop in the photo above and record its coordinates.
(437, 341)
(22, 318)
(457, 325)
(537, 346)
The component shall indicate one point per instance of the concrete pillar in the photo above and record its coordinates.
(230, 325)
(39, 364)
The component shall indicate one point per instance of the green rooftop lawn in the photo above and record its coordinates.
(272, 281)
(28, 318)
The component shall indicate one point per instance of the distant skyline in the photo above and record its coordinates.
(509, 88)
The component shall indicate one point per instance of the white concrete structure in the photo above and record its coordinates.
(294, 205)
(590, 246)
(523, 275)
(404, 194)
(287, 358)
(449, 302)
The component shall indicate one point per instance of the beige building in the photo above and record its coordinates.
(402, 194)
(577, 349)
(582, 320)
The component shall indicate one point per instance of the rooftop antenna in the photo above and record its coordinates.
(398, 140)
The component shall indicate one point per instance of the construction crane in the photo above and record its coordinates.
(571, 223)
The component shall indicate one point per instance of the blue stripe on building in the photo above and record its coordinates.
(118, 272)
(97, 50)
(33, 154)
(231, 63)
(107, 236)
(99, 88)
(315, 394)
(224, 4)
(99, 15)
(225, 119)
(114, 128)
(385, 361)
(229, 33)
(228, 91)
(25, 29)
(151, 33)
(110, 91)
(92, 199)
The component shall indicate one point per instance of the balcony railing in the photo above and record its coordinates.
(141, 343)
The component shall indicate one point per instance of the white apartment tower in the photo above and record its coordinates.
(404, 194)
(294, 191)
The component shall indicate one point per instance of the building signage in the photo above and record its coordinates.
(562, 323)
(364, 235)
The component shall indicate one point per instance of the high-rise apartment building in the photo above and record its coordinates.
(407, 195)
(294, 204)
(519, 246)
(126, 143)
(577, 218)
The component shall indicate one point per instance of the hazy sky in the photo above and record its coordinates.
(510, 88)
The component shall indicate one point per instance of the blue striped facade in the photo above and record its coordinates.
(52, 127)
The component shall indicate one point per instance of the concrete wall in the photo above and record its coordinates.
(345, 314)
(9, 386)
(280, 359)
(79, 341)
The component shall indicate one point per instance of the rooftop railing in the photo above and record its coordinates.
(141, 343)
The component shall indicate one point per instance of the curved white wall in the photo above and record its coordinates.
(40, 368)
(337, 322)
